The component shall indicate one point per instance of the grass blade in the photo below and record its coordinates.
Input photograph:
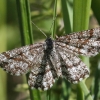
(80, 22)
(66, 19)
(26, 33)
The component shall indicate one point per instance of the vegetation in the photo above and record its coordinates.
(57, 17)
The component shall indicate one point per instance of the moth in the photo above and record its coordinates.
(53, 58)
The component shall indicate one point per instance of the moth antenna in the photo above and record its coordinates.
(52, 22)
(39, 29)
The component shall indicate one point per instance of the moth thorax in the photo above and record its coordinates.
(49, 45)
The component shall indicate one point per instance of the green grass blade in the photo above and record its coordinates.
(97, 81)
(24, 21)
(26, 34)
(67, 27)
(85, 90)
(80, 22)
(95, 6)
(3, 45)
(81, 14)
(80, 95)
(49, 95)
(95, 68)
(66, 19)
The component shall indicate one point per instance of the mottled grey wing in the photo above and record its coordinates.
(55, 60)
(43, 76)
(20, 60)
(82, 43)
(73, 69)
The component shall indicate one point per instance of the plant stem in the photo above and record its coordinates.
(26, 34)
(85, 90)
(3, 45)
(66, 17)
(80, 22)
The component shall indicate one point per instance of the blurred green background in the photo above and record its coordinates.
(42, 13)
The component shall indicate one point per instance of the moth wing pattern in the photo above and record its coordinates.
(20, 60)
(53, 58)
(42, 77)
(82, 43)
(73, 69)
